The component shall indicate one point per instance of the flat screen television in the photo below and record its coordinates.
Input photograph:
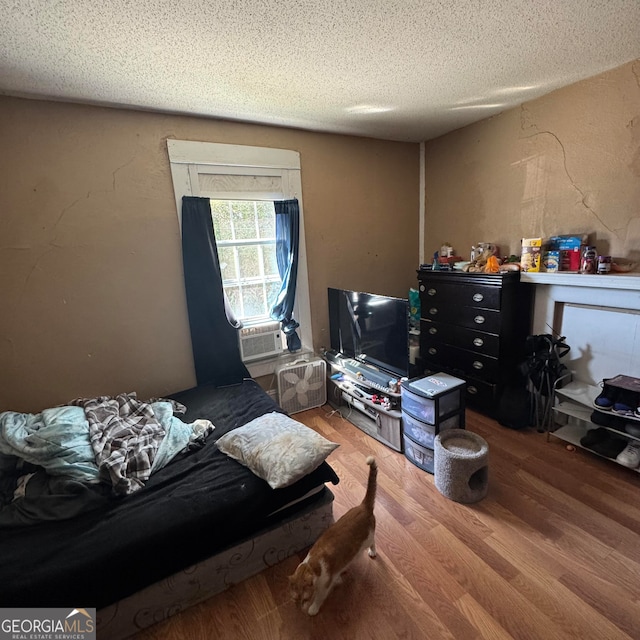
(370, 328)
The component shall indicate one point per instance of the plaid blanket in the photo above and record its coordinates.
(127, 436)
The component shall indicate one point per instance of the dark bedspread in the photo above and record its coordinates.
(201, 503)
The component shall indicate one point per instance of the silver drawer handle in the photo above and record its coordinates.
(478, 342)
(477, 364)
(433, 311)
(478, 297)
(432, 351)
(422, 287)
(472, 390)
(433, 331)
(431, 292)
(479, 319)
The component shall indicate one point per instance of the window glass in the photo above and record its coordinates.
(270, 264)
(245, 235)
(221, 213)
(244, 220)
(249, 261)
(266, 220)
(254, 300)
(226, 255)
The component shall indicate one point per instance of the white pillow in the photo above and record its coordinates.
(277, 448)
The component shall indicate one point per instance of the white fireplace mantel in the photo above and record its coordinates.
(629, 281)
(598, 314)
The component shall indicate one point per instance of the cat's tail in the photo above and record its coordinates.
(370, 496)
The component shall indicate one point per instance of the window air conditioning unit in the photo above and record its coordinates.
(302, 384)
(260, 341)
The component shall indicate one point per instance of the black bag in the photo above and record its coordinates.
(515, 408)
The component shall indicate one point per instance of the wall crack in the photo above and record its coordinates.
(73, 204)
(35, 266)
(120, 169)
(583, 195)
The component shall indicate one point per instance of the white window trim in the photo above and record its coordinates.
(189, 158)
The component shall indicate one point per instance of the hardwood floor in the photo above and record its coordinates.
(553, 551)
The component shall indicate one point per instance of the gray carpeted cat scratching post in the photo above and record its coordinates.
(461, 470)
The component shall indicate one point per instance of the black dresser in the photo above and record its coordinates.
(474, 326)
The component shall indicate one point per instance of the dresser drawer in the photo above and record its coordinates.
(486, 320)
(475, 364)
(482, 395)
(471, 339)
(470, 295)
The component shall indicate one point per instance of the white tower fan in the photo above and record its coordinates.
(302, 384)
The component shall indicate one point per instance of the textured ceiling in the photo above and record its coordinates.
(392, 69)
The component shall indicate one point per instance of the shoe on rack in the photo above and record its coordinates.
(607, 397)
(604, 442)
(593, 436)
(633, 429)
(630, 456)
(625, 403)
(609, 419)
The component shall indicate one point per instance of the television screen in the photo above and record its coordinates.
(370, 328)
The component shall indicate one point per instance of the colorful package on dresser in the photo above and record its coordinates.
(531, 254)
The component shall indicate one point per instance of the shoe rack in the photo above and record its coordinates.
(573, 409)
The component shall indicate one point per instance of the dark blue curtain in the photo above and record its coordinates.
(216, 352)
(287, 249)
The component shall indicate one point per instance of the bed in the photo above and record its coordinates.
(198, 525)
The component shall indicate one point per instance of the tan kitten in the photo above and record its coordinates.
(335, 549)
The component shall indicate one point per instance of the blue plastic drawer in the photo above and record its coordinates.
(420, 456)
(418, 407)
(424, 409)
(423, 433)
(419, 432)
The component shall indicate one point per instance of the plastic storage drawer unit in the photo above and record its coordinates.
(430, 404)
(432, 397)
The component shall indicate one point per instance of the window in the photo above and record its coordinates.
(246, 238)
(242, 182)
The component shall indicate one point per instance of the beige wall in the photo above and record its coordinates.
(568, 162)
(90, 262)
